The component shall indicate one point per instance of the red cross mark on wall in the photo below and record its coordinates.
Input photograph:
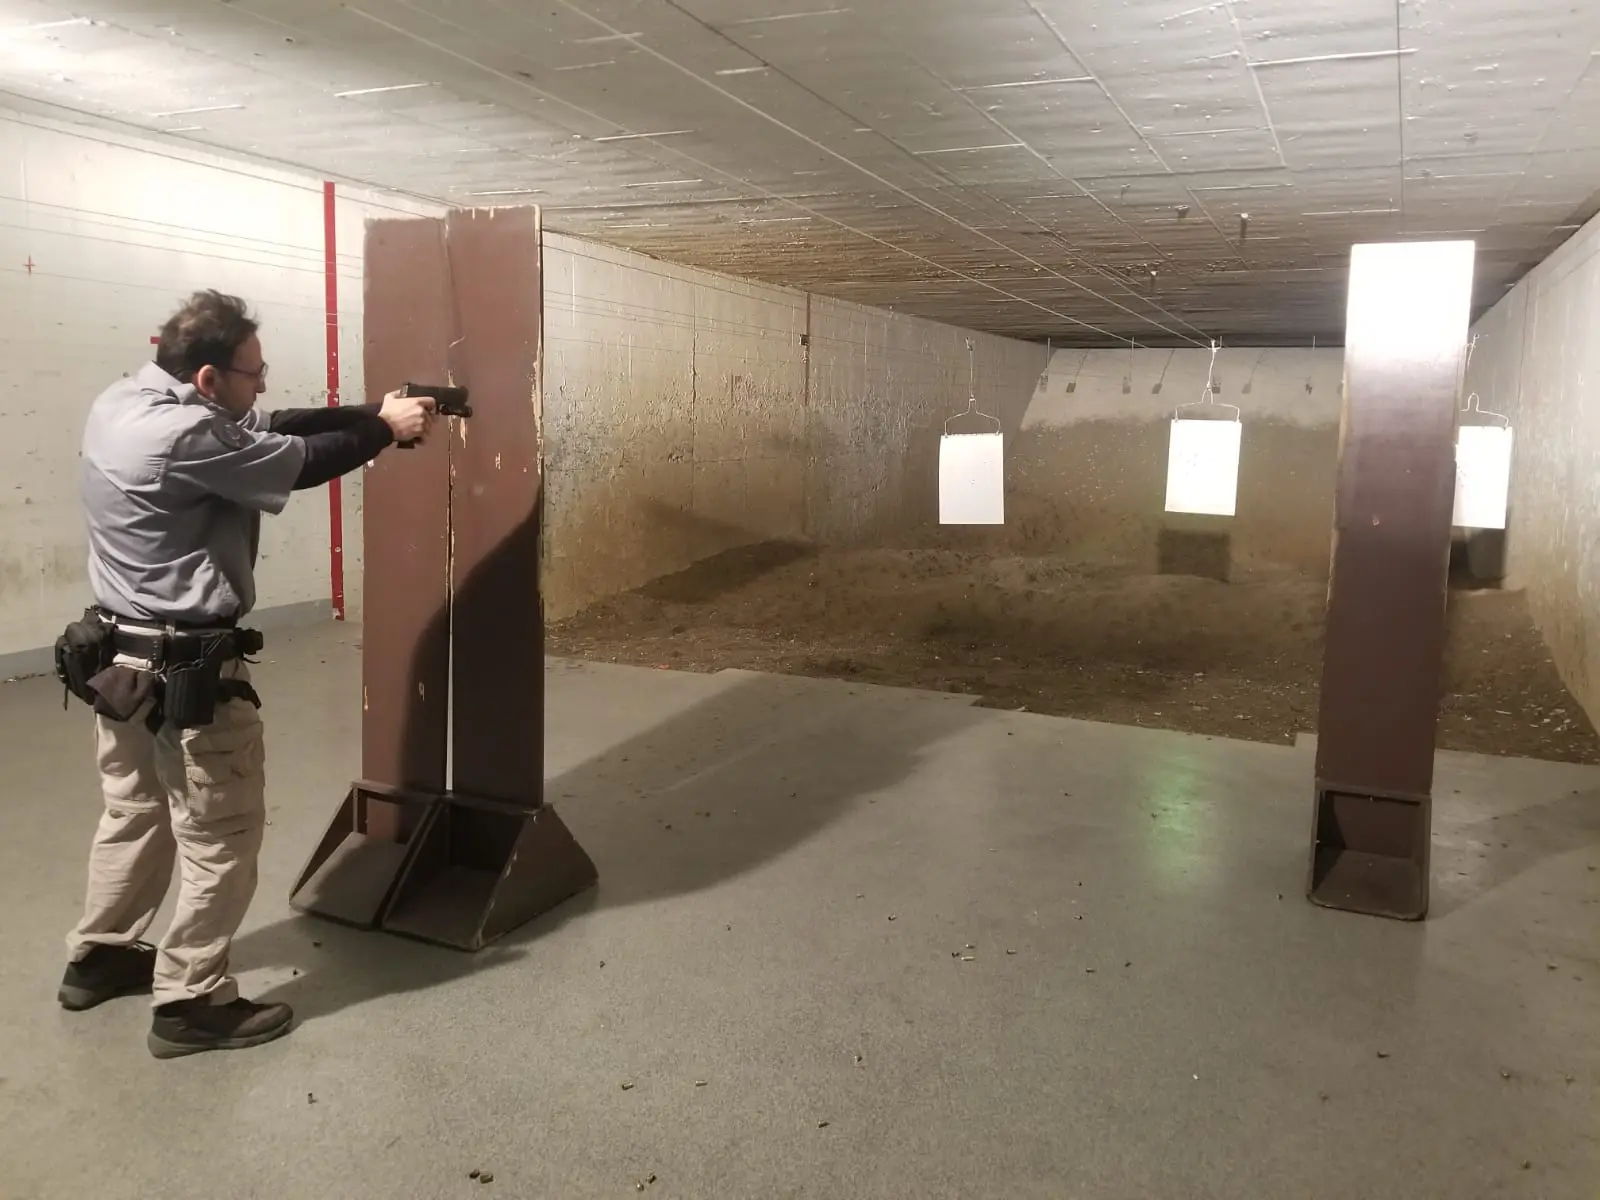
(29, 264)
(155, 341)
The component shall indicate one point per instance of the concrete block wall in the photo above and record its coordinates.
(1537, 360)
(101, 236)
(1088, 476)
(687, 413)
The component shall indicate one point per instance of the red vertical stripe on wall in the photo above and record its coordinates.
(330, 271)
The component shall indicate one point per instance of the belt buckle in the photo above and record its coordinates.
(153, 634)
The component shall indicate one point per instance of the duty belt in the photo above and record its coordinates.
(164, 645)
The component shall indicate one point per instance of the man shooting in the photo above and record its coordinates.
(178, 466)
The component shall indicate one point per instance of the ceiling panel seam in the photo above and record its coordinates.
(1400, 102)
(1056, 33)
(704, 166)
(845, 159)
(1255, 82)
(1051, 167)
(1499, 101)
(1550, 125)
(405, 118)
(860, 122)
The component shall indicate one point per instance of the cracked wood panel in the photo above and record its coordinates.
(497, 506)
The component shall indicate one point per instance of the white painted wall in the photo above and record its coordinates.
(1116, 385)
(118, 232)
(1537, 360)
(1087, 480)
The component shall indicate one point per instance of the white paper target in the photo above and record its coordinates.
(1483, 476)
(1203, 467)
(972, 479)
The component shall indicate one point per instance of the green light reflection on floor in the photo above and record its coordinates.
(1180, 825)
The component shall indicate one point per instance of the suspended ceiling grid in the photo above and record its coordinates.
(1091, 171)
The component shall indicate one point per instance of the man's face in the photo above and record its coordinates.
(235, 389)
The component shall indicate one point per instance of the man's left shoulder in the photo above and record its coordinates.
(202, 433)
(230, 432)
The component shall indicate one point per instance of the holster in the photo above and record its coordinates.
(189, 686)
(192, 685)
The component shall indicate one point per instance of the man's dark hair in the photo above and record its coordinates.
(206, 332)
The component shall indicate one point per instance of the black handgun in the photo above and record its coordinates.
(447, 401)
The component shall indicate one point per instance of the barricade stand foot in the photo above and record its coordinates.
(1370, 853)
(354, 869)
(481, 869)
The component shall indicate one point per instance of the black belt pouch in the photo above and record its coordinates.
(190, 688)
(83, 650)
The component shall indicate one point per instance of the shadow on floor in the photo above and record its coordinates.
(1478, 559)
(740, 780)
(1195, 548)
(720, 790)
(1472, 861)
(337, 967)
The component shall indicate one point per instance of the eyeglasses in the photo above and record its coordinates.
(259, 376)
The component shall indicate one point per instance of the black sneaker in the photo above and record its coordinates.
(194, 1026)
(105, 973)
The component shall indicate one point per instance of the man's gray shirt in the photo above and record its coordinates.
(174, 489)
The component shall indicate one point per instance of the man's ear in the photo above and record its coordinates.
(205, 381)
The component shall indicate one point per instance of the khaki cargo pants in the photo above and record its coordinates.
(197, 797)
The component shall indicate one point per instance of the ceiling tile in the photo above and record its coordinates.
(1014, 165)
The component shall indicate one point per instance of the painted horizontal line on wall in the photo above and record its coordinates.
(202, 159)
(183, 233)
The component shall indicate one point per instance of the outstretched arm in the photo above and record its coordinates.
(340, 439)
(335, 452)
(304, 422)
(259, 467)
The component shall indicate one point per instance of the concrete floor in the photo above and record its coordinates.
(910, 949)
